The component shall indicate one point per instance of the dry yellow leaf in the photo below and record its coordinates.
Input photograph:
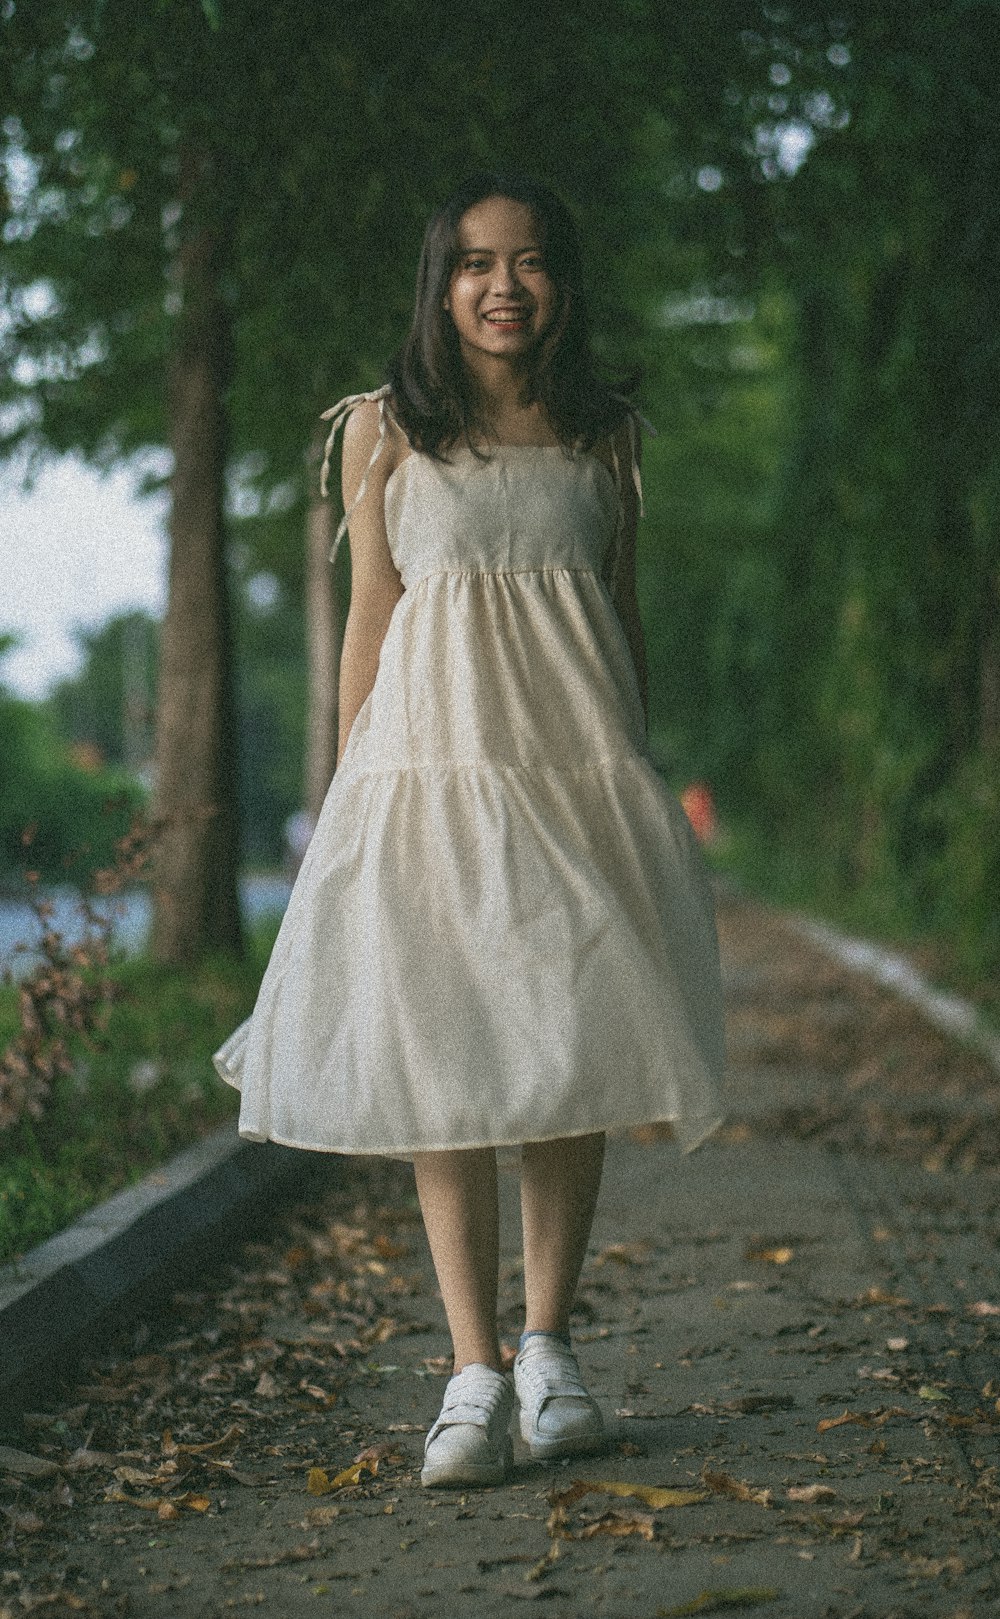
(770, 1256)
(319, 1482)
(653, 1495)
(737, 1489)
(619, 1523)
(811, 1493)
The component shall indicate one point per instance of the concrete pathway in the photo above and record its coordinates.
(805, 1338)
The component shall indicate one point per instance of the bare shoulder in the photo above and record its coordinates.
(361, 436)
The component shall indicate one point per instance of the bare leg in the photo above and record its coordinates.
(559, 1185)
(458, 1200)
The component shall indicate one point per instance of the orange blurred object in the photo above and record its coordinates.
(699, 807)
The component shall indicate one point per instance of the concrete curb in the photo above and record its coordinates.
(55, 1300)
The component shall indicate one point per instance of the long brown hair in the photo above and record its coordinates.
(430, 393)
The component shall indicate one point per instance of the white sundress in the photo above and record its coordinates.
(503, 929)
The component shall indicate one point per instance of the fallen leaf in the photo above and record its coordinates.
(23, 1465)
(881, 1295)
(384, 1451)
(318, 1481)
(983, 1308)
(266, 1388)
(897, 1344)
(724, 1484)
(619, 1523)
(541, 1569)
(136, 1475)
(811, 1493)
(653, 1495)
(438, 1365)
(294, 1554)
(770, 1256)
(211, 1447)
(319, 1517)
(623, 1253)
(826, 1423)
(730, 1596)
(925, 1392)
(316, 1393)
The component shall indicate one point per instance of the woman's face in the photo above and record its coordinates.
(501, 297)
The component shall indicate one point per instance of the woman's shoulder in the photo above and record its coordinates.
(370, 421)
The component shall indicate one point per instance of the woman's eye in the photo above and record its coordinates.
(474, 264)
(533, 261)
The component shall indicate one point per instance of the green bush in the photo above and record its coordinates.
(123, 1109)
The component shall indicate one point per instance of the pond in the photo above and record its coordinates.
(261, 895)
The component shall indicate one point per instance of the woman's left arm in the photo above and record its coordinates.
(623, 593)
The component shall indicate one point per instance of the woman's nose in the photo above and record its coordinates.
(504, 279)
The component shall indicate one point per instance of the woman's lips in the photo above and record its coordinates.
(506, 317)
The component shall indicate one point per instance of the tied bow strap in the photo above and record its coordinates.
(636, 421)
(337, 416)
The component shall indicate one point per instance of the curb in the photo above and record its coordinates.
(57, 1298)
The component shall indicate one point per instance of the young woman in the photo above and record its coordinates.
(502, 932)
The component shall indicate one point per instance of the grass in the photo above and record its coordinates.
(793, 878)
(124, 1109)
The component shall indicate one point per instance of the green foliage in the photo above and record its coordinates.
(41, 786)
(126, 1108)
(820, 575)
(109, 703)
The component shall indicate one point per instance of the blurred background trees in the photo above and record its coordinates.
(213, 222)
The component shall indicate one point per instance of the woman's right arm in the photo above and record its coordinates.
(375, 583)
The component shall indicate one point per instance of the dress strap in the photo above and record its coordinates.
(337, 416)
(637, 423)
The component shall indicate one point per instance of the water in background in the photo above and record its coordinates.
(260, 895)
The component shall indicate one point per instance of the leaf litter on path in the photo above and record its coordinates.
(721, 1483)
(615, 1522)
(727, 1596)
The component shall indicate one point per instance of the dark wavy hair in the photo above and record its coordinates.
(430, 394)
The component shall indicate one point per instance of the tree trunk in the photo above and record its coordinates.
(196, 902)
(323, 637)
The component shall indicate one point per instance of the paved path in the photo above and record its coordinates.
(734, 1306)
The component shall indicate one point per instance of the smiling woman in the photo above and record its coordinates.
(500, 296)
(502, 931)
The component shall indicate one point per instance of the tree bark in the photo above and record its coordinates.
(323, 637)
(196, 902)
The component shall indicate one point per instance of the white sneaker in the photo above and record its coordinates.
(558, 1416)
(470, 1441)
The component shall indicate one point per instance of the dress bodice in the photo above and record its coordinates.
(500, 515)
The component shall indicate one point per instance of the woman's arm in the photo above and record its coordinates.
(624, 592)
(375, 583)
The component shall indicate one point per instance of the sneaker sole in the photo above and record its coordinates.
(457, 1476)
(544, 1450)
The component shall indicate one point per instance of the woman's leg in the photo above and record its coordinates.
(458, 1200)
(560, 1181)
